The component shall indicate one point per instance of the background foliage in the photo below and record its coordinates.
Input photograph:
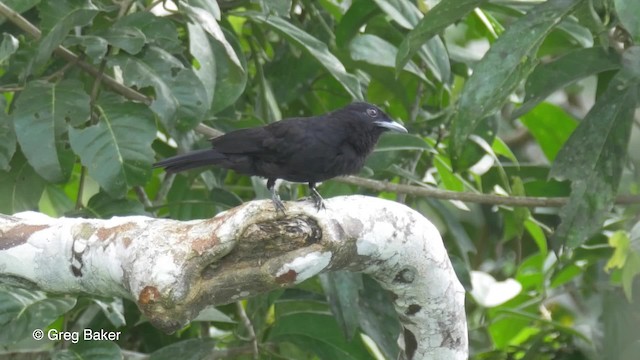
(510, 98)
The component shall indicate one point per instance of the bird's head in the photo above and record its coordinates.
(373, 116)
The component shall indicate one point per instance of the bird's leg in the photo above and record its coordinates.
(277, 203)
(317, 199)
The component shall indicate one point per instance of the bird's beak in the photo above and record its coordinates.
(391, 125)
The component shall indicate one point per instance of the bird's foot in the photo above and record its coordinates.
(278, 204)
(317, 200)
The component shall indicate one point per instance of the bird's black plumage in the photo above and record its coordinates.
(308, 150)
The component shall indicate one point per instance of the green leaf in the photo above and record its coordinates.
(499, 147)
(315, 48)
(593, 159)
(127, 38)
(620, 242)
(136, 72)
(8, 47)
(401, 11)
(535, 231)
(95, 47)
(103, 206)
(547, 78)
(89, 350)
(186, 349)
(210, 6)
(436, 20)
(356, 16)
(202, 51)
(186, 88)
(378, 317)
(628, 12)
(40, 118)
(21, 187)
(158, 31)
(395, 142)
(550, 126)
(342, 289)
(448, 178)
(77, 17)
(18, 6)
(504, 66)
(230, 79)
(22, 311)
(631, 65)
(186, 203)
(317, 333)
(7, 140)
(376, 51)
(211, 26)
(117, 151)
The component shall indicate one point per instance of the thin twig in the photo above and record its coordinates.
(164, 189)
(79, 204)
(249, 326)
(142, 196)
(490, 199)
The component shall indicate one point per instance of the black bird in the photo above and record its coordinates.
(308, 150)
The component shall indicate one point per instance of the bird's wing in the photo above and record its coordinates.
(243, 141)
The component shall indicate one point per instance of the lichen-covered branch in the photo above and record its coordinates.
(173, 269)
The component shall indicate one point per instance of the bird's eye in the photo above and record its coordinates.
(372, 112)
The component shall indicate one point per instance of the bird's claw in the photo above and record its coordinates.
(317, 200)
(278, 204)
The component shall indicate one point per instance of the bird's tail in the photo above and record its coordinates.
(191, 160)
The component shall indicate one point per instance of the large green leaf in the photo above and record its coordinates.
(186, 88)
(433, 52)
(223, 81)
(158, 31)
(117, 151)
(187, 349)
(20, 187)
(103, 206)
(434, 21)
(549, 77)
(593, 159)
(230, 79)
(628, 12)
(315, 47)
(137, 73)
(356, 16)
(502, 69)
(317, 333)
(89, 350)
(7, 138)
(550, 126)
(376, 51)
(127, 38)
(202, 51)
(77, 17)
(40, 119)
(95, 47)
(23, 311)
(209, 23)
(401, 11)
(342, 289)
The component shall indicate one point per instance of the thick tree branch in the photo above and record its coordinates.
(174, 269)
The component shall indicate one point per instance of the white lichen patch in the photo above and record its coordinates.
(306, 266)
